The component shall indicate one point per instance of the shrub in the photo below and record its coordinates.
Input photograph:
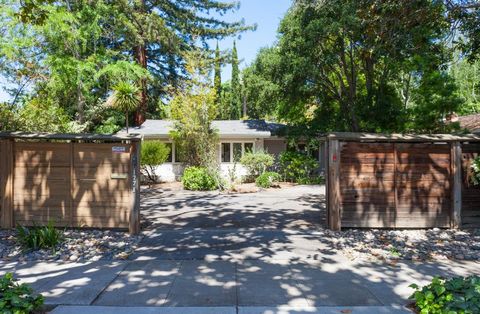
(312, 180)
(257, 162)
(267, 179)
(475, 175)
(199, 179)
(154, 153)
(17, 298)
(297, 167)
(35, 238)
(441, 296)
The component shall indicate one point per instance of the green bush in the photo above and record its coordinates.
(153, 154)
(441, 296)
(17, 298)
(257, 163)
(297, 167)
(199, 179)
(35, 238)
(475, 176)
(267, 179)
(311, 180)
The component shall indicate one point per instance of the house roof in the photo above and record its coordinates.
(379, 137)
(470, 122)
(226, 128)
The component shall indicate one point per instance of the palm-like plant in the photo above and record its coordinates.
(126, 98)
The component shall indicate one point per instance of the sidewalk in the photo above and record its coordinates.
(245, 284)
(228, 310)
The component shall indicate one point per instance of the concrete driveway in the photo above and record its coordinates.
(297, 208)
(245, 253)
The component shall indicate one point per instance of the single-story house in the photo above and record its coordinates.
(470, 122)
(236, 138)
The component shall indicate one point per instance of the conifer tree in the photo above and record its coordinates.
(217, 82)
(236, 105)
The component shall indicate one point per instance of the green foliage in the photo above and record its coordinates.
(193, 110)
(263, 94)
(297, 167)
(442, 296)
(199, 179)
(40, 115)
(267, 179)
(311, 180)
(236, 97)
(125, 98)
(467, 77)
(335, 68)
(153, 154)
(217, 81)
(257, 162)
(17, 298)
(72, 53)
(475, 171)
(36, 238)
(8, 118)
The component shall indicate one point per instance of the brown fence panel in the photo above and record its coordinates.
(395, 185)
(6, 184)
(470, 193)
(423, 185)
(367, 185)
(101, 185)
(41, 183)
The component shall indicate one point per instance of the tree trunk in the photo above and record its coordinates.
(244, 106)
(141, 57)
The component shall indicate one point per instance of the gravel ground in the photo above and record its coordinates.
(419, 245)
(78, 245)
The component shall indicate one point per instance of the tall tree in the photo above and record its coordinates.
(236, 105)
(59, 48)
(193, 109)
(343, 60)
(217, 81)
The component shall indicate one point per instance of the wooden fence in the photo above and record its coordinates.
(395, 181)
(72, 180)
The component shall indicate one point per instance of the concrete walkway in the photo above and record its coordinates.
(233, 254)
(250, 283)
(229, 310)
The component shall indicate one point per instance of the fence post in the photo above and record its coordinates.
(334, 217)
(457, 184)
(134, 225)
(6, 183)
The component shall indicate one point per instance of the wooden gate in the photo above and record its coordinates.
(470, 193)
(70, 182)
(395, 185)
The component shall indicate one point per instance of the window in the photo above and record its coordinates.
(233, 152)
(226, 152)
(248, 147)
(237, 151)
(315, 153)
(170, 155)
(179, 156)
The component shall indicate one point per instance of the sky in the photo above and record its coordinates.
(266, 14)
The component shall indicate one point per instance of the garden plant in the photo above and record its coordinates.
(457, 295)
(256, 162)
(268, 179)
(36, 238)
(199, 179)
(153, 154)
(17, 298)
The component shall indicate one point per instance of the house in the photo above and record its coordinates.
(470, 122)
(236, 138)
